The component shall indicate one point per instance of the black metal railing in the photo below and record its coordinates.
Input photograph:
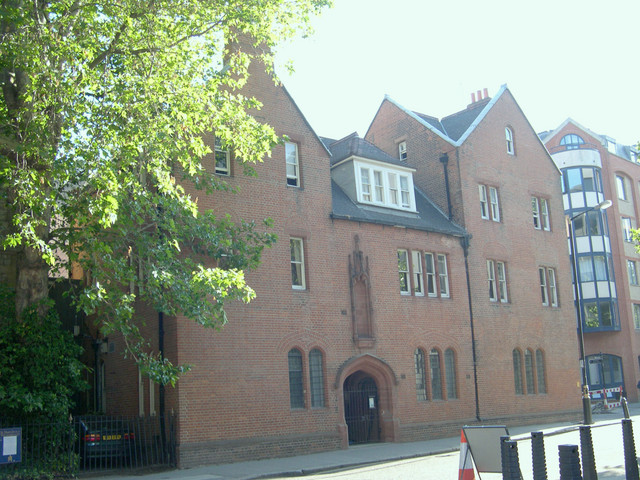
(93, 442)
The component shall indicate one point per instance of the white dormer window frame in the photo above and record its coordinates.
(384, 185)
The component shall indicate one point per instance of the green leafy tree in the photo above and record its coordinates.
(40, 370)
(102, 115)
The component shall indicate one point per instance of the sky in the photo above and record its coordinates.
(559, 58)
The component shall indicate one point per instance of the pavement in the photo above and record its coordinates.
(356, 455)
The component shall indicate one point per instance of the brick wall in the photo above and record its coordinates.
(235, 403)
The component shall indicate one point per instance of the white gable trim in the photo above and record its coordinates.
(466, 134)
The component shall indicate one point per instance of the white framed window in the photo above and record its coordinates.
(535, 208)
(443, 275)
(548, 289)
(430, 274)
(418, 287)
(491, 276)
(621, 187)
(385, 187)
(544, 214)
(497, 278)
(392, 179)
(489, 203)
(540, 210)
(297, 263)
(293, 166)
(402, 150)
(403, 272)
(508, 133)
(365, 184)
(378, 187)
(502, 281)
(222, 158)
(543, 286)
(636, 316)
(484, 202)
(626, 229)
(405, 193)
(553, 290)
(633, 273)
(495, 206)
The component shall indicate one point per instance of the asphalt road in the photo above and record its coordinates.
(607, 444)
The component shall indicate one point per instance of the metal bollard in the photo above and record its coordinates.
(569, 462)
(538, 456)
(510, 461)
(625, 407)
(630, 460)
(588, 458)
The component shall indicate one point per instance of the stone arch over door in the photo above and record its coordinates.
(386, 382)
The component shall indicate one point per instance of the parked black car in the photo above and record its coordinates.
(107, 439)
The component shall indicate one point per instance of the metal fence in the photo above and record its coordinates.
(93, 442)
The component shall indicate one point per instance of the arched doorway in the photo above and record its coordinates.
(361, 408)
(367, 385)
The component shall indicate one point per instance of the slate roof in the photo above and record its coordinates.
(454, 125)
(428, 217)
(353, 145)
(455, 128)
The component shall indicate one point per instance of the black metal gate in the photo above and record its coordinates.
(361, 409)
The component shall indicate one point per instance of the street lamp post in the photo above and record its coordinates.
(586, 400)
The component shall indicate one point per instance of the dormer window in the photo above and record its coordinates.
(385, 186)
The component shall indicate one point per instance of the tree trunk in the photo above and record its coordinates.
(32, 279)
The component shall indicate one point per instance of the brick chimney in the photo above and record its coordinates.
(481, 96)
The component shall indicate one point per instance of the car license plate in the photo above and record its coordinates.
(112, 437)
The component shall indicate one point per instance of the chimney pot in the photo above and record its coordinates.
(473, 98)
(479, 95)
(486, 93)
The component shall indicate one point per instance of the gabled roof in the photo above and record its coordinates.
(546, 136)
(354, 146)
(623, 151)
(428, 217)
(457, 127)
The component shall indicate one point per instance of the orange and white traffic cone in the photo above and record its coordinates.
(465, 471)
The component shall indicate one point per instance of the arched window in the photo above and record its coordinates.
(316, 378)
(508, 133)
(450, 373)
(421, 375)
(517, 371)
(571, 141)
(528, 372)
(436, 375)
(542, 384)
(296, 390)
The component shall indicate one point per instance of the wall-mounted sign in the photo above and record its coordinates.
(10, 445)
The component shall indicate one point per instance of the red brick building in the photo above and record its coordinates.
(404, 298)
(596, 168)
(486, 166)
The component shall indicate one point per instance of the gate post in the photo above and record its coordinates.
(510, 462)
(538, 456)
(588, 459)
(630, 460)
(569, 462)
